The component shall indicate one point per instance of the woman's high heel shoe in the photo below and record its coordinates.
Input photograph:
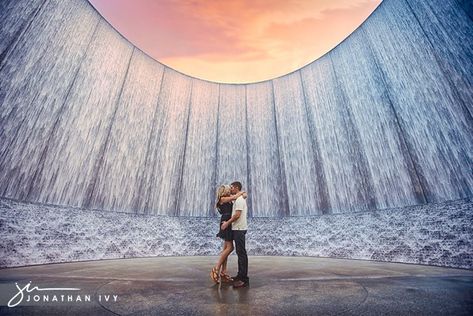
(225, 277)
(214, 275)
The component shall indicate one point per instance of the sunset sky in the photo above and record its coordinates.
(235, 41)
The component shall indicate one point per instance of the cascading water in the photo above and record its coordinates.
(383, 120)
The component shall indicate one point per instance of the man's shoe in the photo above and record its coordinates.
(235, 278)
(238, 284)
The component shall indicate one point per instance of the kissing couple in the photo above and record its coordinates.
(231, 204)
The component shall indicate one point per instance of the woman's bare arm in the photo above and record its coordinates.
(225, 199)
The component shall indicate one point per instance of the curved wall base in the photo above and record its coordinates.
(435, 234)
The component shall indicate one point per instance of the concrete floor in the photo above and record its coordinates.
(278, 286)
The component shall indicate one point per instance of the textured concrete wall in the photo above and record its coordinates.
(383, 120)
(435, 234)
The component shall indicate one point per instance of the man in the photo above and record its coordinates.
(239, 228)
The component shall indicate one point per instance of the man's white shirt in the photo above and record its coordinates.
(240, 223)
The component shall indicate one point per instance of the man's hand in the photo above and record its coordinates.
(235, 217)
(224, 225)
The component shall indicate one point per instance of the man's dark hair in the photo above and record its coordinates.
(237, 184)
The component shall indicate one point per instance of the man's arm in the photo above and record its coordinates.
(232, 219)
(239, 206)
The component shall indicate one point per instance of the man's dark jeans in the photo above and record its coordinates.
(239, 237)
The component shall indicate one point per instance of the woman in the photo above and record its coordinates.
(224, 206)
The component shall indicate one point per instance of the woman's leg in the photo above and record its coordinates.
(221, 254)
(215, 270)
(224, 265)
(229, 245)
(228, 248)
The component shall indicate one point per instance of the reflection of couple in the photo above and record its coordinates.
(231, 203)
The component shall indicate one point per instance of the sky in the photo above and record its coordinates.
(235, 41)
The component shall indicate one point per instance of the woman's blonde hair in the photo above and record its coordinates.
(220, 192)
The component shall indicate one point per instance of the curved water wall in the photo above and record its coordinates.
(383, 120)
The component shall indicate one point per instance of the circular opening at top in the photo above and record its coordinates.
(236, 41)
